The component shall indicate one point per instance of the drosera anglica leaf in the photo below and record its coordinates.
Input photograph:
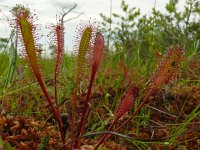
(27, 34)
(167, 70)
(127, 102)
(97, 52)
(96, 58)
(26, 29)
(83, 44)
(57, 39)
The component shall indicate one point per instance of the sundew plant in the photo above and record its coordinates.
(77, 121)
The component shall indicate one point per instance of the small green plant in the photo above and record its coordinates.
(5, 145)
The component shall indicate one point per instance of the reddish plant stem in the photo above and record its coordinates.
(56, 115)
(106, 136)
(55, 90)
(88, 112)
(85, 109)
(73, 110)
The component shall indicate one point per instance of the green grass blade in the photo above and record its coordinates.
(182, 127)
(43, 143)
(8, 146)
(12, 66)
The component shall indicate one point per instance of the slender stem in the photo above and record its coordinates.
(56, 115)
(73, 109)
(88, 112)
(55, 93)
(85, 109)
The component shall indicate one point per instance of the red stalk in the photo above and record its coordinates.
(85, 109)
(56, 115)
(73, 110)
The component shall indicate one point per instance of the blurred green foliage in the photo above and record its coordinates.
(141, 36)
